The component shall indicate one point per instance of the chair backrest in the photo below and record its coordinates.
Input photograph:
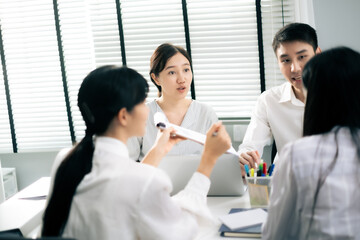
(53, 238)
(45, 238)
(15, 234)
(10, 233)
(9, 237)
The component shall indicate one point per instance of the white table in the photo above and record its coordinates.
(26, 215)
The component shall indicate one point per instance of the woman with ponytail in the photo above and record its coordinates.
(98, 192)
(315, 193)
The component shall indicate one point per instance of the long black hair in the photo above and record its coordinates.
(332, 79)
(103, 93)
(161, 56)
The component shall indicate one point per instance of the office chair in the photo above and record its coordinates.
(42, 238)
(15, 234)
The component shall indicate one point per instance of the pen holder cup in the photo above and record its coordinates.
(259, 191)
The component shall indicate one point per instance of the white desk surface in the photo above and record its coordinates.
(27, 214)
(22, 213)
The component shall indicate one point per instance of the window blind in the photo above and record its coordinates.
(5, 134)
(34, 75)
(78, 52)
(147, 24)
(90, 38)
(275, 14)
(225, 55)
(222, 36)
(105, 32)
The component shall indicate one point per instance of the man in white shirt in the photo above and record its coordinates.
(279, 111)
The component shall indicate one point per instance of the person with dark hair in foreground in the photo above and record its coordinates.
(315, 192)
(98, 192)
(278, 114)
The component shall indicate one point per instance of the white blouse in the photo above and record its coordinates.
(123, 199)
(337, 211)
(199, 117)
(277, 115)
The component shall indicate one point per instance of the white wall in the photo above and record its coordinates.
(337, 23)
(29, 166)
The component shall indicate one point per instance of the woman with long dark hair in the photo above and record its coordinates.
(171, 73)
(98, 192)
(315, 192)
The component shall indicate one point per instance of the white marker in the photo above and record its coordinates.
(161, 122)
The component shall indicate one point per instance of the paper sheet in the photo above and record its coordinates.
(159, 117)
(244, 219)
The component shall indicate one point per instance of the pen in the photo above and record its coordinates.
(271, 169)
(264, 168)
(247, 170)
(251, 172)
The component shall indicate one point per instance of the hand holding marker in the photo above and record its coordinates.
(161, 122)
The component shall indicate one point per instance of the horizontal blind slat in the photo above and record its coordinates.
(31, 49)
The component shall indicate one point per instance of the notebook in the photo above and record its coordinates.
(226, 179)
(253, 231)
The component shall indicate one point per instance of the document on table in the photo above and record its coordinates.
(37, 191)
(244, 219)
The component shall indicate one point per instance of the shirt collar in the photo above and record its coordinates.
(112, 145)
(189, 114)
(288, 95)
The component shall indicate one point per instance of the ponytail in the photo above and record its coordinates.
(102, 94)
(68, 176)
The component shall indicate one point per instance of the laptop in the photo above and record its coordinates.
(226, 179)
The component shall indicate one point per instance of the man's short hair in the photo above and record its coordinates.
(296, 32)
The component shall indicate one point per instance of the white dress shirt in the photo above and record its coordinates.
(277, 115)
(199, 117)
(297, 172)
(123, 199)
